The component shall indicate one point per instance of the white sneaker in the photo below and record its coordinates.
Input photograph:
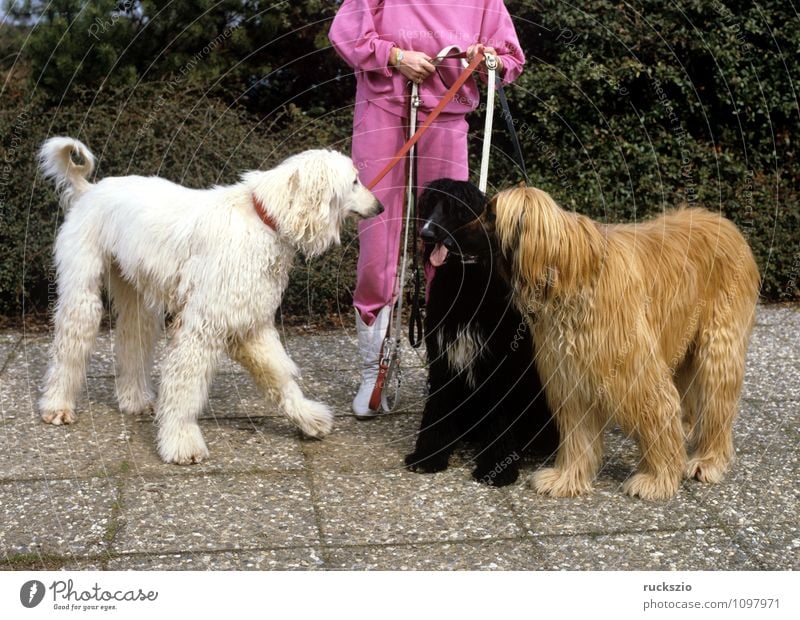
(370, 339)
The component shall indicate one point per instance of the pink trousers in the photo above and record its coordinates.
(377, 136)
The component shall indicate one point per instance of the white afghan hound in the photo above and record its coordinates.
(217, 259)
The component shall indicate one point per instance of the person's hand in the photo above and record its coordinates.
(416, 66)
(480, 48)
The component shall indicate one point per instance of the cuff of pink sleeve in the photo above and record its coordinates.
(512, 69)
(383, 50)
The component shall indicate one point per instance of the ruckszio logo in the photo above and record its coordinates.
(31, 593)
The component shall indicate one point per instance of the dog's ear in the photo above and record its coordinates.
(554, 250)
(521, 184)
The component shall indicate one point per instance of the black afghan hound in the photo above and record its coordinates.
(482, 382)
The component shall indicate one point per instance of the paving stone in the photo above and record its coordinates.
(8, 342)
(776, 546)
(518, 554)
(178, 514)
(400, 506)
(324, 351)
(786, 315)
(267, 499)
(765, 426)
(56, 517)
(94, 446)
(237, 396)
(780, 339)
(606, 509)
(300, 558)
(363, 446)
(20, 391)
(761, 489)
(770, 378)
(33, 355)
(29, 562)
(697, 549)
(270, 444)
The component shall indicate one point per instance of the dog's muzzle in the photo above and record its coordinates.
(427, 233)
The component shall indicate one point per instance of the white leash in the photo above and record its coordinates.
(491, 66)
(395, 338)
(393, 341)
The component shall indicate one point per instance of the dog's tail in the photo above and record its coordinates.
(56, 163)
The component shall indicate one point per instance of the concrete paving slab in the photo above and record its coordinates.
(771, 378)
(21, 387)
(268, 499)
(237, 396)
(695, 549)
(8, 342)
(778, 338)
(764, 426)
(178, 514)
(267, 444)
(95, 446)
(606, 509)
(56, 517)
(776, 546)
(778, 314)
(43, 562)
(516, 554)
(365, 446)
(299, 558)
(403, 507)
(33, 354)
(761, 489)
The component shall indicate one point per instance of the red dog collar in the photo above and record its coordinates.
(263, 215)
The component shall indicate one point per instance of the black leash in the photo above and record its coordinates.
(415, 331)
(520, 160)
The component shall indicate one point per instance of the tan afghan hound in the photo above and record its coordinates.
(645, 325)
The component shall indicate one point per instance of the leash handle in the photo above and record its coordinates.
(448, 96)
(415, 328)
(385, 358)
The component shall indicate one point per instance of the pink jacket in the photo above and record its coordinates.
(364, 32)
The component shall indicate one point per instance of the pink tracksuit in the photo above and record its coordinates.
(363, 33)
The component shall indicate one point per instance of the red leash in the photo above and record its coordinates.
(448, 96)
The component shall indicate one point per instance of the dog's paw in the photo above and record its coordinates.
(649, 487)
(557, 483)
(147, 409)
(58, 417)
(183, 447)
(314, 419)
(711, 470)
(496, 476)
(426, 464)
(139, 404)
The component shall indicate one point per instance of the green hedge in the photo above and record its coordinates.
(183, 137)
(623, 110)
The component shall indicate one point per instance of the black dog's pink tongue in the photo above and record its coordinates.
(439, 255)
